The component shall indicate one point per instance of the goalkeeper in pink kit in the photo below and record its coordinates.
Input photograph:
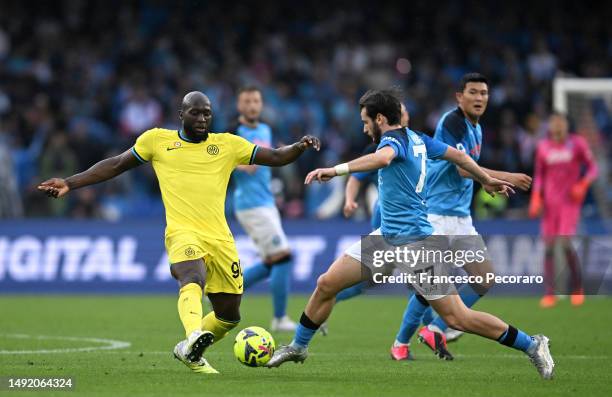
(564, 170)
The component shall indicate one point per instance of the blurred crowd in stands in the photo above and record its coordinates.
(79, 81)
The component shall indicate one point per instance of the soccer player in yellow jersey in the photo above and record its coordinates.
(193, 167)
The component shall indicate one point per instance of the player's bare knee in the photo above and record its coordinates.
(325, 286)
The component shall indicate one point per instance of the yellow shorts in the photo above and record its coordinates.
(223, 271)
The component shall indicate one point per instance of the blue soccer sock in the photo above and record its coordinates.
(350, 292)
(517, 339)
(279, 286)
(304, 332)
(469, 298)
(428, 316)
(412, 318)
(255, 274)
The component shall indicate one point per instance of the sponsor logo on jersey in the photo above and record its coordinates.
(559, 156)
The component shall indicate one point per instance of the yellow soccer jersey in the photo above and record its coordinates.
(193, 177)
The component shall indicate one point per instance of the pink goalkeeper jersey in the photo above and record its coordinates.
(559, 166)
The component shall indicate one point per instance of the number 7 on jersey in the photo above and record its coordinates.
(421, 151)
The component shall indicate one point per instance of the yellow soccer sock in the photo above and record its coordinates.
(190, 307)
(218, 327)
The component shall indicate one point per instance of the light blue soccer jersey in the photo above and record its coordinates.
(402, 184)
(448, 192)
(253, 190)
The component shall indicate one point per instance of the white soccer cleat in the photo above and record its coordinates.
(201, 366)
(196, 344)
(283, 324)
(324, 329)
(452, 334)
(542, 358)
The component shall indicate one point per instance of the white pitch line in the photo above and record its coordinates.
(109, 344)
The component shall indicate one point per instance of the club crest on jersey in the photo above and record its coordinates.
(213, 150)
(189, 251)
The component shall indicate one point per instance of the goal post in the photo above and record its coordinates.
(563, 87)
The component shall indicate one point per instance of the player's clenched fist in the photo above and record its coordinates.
(310, 141)
(54, 187)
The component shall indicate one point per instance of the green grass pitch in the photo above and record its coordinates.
(352, 361)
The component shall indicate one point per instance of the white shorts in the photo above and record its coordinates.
(452, 225)
(263, 225)
(355, 252)
(460, 231)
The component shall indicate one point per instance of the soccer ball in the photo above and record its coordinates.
(254, 346)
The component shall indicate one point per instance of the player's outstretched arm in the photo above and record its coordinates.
(492, 185)
(99, 172)
(286, 154)
(522, 181)
(370, 162)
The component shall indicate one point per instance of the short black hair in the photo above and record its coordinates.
(249, 88)
(472, 78)
(385, 102)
